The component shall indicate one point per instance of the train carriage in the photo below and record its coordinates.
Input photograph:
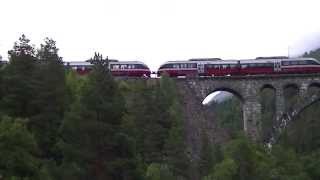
(179, 68)
(130, 69)
(117, 68)
(261, 65)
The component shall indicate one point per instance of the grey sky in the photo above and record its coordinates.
(155, 31)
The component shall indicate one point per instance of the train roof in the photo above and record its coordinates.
(77, 63)
(234, 61)
(205, 59)
(273, 60)
(86, 63)
(273, 57)
(198, 61)
(127, 62)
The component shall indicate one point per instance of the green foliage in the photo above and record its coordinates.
(18, 150)
(74, 84)
(19, 80)
(70, 127)
(229, 115)
(49, 103)
(158, 172)
(210, 156)
(226, 170)
(303, 134)
(311, 164)
(93, 140)
(175, 146)
(246, 160)
(154, 119)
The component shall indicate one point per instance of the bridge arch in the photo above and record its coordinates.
(226, 89)
(225, 106)
(290, 85)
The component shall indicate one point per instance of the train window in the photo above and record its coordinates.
(244, 65)
(285, 63)
(123, 66)
(269, 64)
(192, 65)
(302, 62)
(294, 63)
(176, 66)
(131, 66)
(264, 65)
(311, 62)
(166, 66)
(115, 66)
(233, 65)
(141, 66)
(183, 65)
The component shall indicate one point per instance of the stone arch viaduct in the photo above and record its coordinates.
(248, 89)
(193, 91)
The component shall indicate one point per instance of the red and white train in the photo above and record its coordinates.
(118, 68)
(209, 67)
(260, 65)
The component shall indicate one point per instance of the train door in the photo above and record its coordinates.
(200, 69)
(277, 66)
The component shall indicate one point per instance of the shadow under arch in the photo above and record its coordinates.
(290, 85)
(267, 99)
(314, 84)
(313, 89)
(291, 96)
(267, 86)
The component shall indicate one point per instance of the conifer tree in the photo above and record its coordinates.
(92, 137)
(49, 101)
(175, 147)
(18, 80)
(18, 150)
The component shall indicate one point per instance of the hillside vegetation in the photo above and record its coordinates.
(55, 124)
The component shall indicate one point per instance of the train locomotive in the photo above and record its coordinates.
(261, 65)
(117, 68)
